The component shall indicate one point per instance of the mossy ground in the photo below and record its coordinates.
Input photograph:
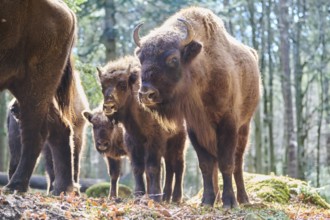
(102, 190)
(280, 197)
(271, 198)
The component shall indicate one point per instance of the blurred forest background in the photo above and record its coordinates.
(291, 129)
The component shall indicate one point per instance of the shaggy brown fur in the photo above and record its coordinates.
(212, 81)
(109, 141)
(146, 141)
(36, 38)
(57, 150)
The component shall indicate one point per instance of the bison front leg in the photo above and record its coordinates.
(78, 140)
(168, 177)
(15, 146)
(227, 141)
(206, 164)
(153, 166)
(49, 167)
(243, 135)
(174, 161)
(33, 133)
(114, 171)
(136, 153)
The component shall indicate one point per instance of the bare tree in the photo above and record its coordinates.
(283, 14)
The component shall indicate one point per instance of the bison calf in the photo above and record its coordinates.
(146, 140)
(211, 80)
(109, 141)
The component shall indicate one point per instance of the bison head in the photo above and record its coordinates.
(119, 81)
(102, 130)
(164, 55)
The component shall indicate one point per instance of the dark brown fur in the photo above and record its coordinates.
(57, 148)
(146, 140)
(109, 141)
(213, 82)
(36, 38)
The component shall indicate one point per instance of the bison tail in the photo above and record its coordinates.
(65, 92)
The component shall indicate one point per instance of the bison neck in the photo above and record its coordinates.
(132, 117)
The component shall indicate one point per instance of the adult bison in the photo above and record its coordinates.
(57, 149)
(192, 68)
(36, 38)
(147, 142)
(109, 141)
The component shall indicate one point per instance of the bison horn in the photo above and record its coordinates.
(128, 69)
(190, 32)
(99, 71)
(136, 35)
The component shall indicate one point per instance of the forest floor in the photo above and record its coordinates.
(269, 200)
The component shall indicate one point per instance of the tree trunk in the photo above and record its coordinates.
(3, 136)
(109, 34)
(270, 88)
(291, 166)
(257, 119)
(298, 75)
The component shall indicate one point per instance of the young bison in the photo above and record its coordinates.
(36, 39)
(109, 141)
(146, 140)
(57, 147)
(212, 81)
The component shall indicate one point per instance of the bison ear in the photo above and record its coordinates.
(87, 115)
(190, 51)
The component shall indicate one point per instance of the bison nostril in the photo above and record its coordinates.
(103, 143)
(151, 95)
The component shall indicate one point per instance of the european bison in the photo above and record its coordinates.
(192, 68)
(57, 147)
(146, 140)
(109, 141)
(36, 38)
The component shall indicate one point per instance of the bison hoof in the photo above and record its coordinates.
(69, 190)
(208, 201)
(243, 198)
(229, 203)
(11, 188)
(176, 200)
(156, 198)
(166, 197)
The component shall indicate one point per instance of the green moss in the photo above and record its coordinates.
(102, 190)
(278, 189)
(271, 190)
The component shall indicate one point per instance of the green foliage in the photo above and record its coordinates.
(74, 4)
(90, 83)
(102, 190)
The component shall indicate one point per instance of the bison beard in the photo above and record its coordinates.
(109, 141)
(36, 38)
(212, 81)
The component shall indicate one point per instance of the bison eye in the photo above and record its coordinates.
(122, 86)
(172, 62)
